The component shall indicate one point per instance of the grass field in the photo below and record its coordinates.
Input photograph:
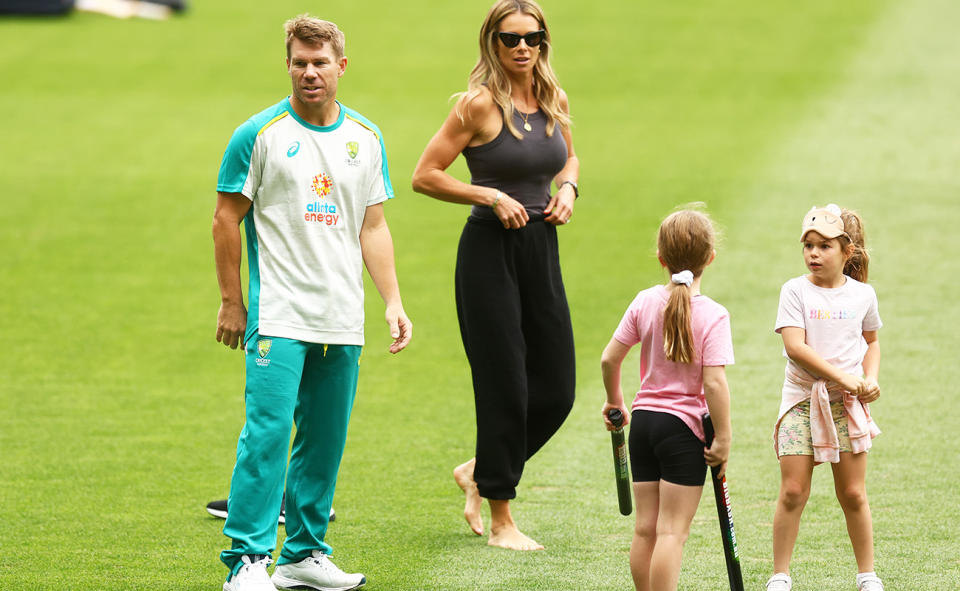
(120, 412)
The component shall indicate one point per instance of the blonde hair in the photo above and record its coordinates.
(314, 31)
(489, 71)
(685, 242)
(857, 266)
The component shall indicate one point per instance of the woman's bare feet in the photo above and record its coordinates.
(504, 532)
(463, 474)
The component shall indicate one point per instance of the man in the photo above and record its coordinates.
(308, 176)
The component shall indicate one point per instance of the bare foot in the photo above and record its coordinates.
(509, 537)
(503, 529)
(463, 474)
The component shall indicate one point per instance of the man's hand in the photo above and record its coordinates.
(401, 329)
(231, 324)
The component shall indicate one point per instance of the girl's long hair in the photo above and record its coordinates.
(685, 243)
(489, 71)
(857, 266)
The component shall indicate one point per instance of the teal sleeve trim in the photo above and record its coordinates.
(235, 165)
(236, 159)
(253, 264)
(386, 172)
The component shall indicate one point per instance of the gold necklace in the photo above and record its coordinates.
(524, 116)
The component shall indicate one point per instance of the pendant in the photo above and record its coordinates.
(527, 127)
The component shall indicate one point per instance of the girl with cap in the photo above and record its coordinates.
(685, 344)
(829, 320)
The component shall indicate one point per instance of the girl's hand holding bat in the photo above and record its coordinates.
(607, 407)
(717, 455)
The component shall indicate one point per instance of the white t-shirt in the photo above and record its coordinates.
(834, 320)
(309, 187)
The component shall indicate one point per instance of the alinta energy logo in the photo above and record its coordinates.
(322, 212)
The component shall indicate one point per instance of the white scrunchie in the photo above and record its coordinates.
(682, 278)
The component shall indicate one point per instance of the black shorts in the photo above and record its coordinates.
(662, 447)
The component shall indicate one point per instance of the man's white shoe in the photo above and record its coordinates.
(870, 583)
(316, 572)
(780, 582)
(252, 576)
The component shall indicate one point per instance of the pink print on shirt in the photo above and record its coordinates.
(814, 314)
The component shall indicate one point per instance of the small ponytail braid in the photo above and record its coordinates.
(857, 266)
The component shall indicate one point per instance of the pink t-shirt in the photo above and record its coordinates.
(667, 386)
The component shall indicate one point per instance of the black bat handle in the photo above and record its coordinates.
(620, 467)
(722, 495)
(708, 429)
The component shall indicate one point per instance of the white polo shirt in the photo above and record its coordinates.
(309, 187)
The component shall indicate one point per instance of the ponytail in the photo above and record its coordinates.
(857, 266)
(685, 246)
(677, 334)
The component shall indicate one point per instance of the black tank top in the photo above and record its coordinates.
(523, 169)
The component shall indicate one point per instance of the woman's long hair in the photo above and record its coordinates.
(489, 71)
(685, 243)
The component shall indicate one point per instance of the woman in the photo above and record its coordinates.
(513, 127)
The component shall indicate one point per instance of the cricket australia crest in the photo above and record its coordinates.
(353, 148)
(263, 347)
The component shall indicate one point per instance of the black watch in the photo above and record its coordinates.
(576, 190)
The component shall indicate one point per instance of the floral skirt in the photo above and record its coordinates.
(793, 436)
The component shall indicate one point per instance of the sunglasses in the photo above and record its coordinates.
(531, 39)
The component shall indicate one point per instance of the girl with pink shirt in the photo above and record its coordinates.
(685, 343)
(829, 321)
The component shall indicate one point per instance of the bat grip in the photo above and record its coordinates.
(707, 429)
(616, 417)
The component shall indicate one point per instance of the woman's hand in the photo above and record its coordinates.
(560, 209)
(511, 213)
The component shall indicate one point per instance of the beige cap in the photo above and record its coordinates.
(825, 221)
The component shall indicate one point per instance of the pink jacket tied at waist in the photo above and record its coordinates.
(823, 431)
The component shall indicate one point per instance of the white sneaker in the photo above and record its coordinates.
(316, 572)
(252, 576)
(870, 583)
(779, 582)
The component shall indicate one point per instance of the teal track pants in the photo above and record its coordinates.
(311, 386)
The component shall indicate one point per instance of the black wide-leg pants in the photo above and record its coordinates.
(516, 330)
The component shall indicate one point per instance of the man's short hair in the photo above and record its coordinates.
(314, 31)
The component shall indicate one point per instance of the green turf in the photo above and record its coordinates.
(120, 411)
